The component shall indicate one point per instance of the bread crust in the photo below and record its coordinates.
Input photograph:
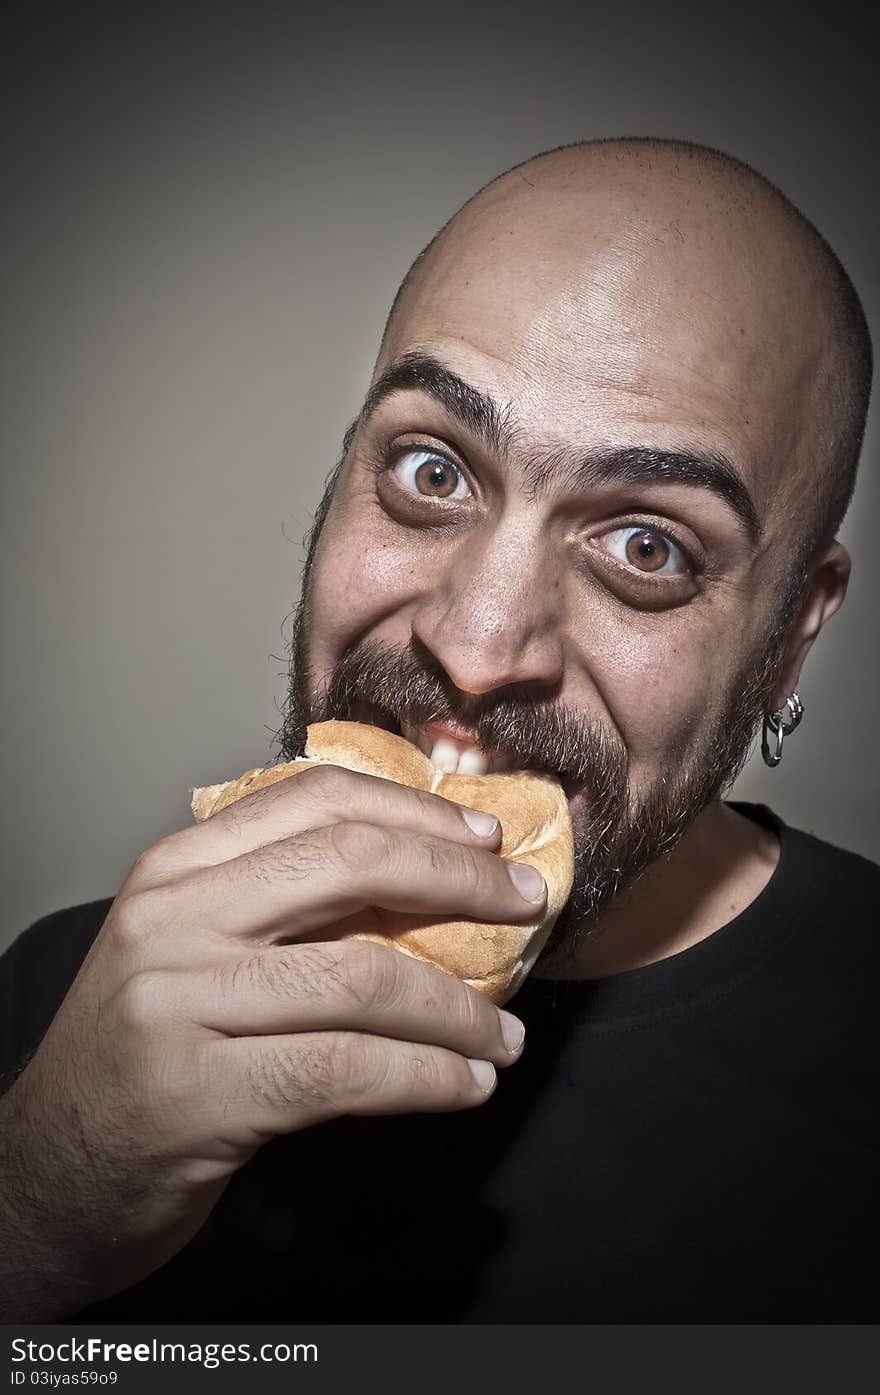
(536, 828)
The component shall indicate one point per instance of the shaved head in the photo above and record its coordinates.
(706, 220)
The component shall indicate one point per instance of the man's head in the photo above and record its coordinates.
(588, 509)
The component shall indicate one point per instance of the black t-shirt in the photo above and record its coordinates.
(696, 1141)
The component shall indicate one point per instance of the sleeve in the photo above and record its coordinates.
(35, 974)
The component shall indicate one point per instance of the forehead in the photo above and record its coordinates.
(606, 322)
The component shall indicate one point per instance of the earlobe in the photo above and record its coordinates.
(823, 595)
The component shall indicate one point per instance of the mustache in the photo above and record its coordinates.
(390, 685)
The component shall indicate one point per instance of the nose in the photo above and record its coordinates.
(495, 616)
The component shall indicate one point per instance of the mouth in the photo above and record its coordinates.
(453, 748)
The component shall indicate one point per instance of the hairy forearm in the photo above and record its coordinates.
(41, 1278)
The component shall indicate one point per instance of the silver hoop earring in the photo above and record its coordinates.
(780, 724)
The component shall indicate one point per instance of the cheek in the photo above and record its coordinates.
(658, 681)
(359, 581)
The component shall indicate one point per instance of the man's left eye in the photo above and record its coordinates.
(648, 551)
(431, 475)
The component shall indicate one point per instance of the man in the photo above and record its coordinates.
(586, 522)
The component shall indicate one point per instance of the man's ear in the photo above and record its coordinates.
(823, 594)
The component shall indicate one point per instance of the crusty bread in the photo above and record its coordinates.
(536, 828)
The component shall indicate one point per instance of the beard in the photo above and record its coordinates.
(618, 831)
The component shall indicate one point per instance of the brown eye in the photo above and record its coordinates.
(647, 550)
(435, 477)
(431, 475)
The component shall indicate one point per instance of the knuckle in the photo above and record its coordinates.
(356, 1068)
(323, 1071)
(363, 849)
(427, 1072)
(371, 973)
(470, 869)
(326, 784)
(134, 916)
(474, 1013)
(434, 806)
(141, 999)
(457, 861)
(150, 864)
(437, 1078)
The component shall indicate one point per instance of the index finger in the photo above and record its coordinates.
(321, 795)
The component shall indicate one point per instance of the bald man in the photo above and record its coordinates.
(585, 522)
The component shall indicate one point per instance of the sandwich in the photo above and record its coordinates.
(535, 825)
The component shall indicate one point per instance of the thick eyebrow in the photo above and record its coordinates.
(491, 424)
(623, 465)
(475, 410)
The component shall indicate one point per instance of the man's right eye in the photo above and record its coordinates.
(431, 475)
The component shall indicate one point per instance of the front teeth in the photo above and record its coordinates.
(472, 762)
(445, 755)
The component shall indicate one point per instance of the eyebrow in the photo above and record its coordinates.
(475, 410)
(491, 424)
(624, 465)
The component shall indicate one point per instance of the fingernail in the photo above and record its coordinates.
(484, 825)
(484, 1074)
(512, 1030)
(527, 880)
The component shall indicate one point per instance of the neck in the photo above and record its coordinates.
(715, 871)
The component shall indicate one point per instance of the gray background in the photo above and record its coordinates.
(203, 231)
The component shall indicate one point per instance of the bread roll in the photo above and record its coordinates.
(536, 828)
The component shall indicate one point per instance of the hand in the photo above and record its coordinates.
(198, 1027)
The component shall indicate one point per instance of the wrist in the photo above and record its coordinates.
(42, 1278)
